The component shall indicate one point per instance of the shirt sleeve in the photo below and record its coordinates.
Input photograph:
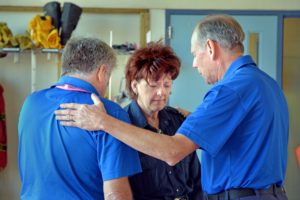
(115, 158)
(215, 120)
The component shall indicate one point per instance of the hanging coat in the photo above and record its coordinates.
(3, 153)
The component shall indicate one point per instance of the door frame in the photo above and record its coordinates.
(280, 14)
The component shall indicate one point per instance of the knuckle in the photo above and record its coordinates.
(85, 106)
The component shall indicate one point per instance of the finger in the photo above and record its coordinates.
(70, 105)
(60, 112)
(179, 109)
(63, 117)
(68, 123)
(96, 100)
(98, 103)
(64, 112)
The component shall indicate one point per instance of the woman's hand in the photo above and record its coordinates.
(185, 113)
(83, 116)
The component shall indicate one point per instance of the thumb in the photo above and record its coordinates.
(95, 99)
(97, 102)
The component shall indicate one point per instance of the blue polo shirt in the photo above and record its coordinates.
(242, 126)
(58, 162)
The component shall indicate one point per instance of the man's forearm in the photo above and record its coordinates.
(170, 149)
(117, 189)
(118, 195)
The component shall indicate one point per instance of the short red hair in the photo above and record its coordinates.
(150, 63)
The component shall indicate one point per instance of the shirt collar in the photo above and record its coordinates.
(238, 63)
(138, 118)
(136, 114)
(76, 82)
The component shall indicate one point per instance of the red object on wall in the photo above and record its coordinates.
(298, 155)
(3, 139)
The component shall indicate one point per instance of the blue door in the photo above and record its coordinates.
(189, 88)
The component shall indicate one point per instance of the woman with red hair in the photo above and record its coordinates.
(149, 74)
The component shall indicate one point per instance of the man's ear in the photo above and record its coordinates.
(212, 49)
(101, 72)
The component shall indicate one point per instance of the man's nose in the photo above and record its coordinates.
(194, 62)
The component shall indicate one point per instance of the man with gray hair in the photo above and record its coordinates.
(242, 124)
(58, 162)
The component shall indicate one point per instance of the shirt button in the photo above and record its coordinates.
(177, 190)
(170, 172)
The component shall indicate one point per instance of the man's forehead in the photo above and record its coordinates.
(194, 46)
(194, 38)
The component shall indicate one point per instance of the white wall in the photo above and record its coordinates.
(174, 4)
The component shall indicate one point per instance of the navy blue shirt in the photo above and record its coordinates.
(242, 126)
(58, 162)
(159, 181)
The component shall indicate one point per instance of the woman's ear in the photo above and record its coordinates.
(134, 86)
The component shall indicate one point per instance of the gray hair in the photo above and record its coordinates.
(85, 55)
(221, 28)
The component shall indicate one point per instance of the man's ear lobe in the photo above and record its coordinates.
(101, 71)
(209, 46)
(212, 48)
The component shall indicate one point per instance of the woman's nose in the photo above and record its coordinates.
(159, 92)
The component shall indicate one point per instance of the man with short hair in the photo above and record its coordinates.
(59, 162)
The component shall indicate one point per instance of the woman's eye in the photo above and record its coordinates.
(153, 86)
(168, 85)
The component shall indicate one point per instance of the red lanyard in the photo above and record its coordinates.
(70, 87)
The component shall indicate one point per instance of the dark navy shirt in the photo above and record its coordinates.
(59, 162)
(159, 181)
(242, 126)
